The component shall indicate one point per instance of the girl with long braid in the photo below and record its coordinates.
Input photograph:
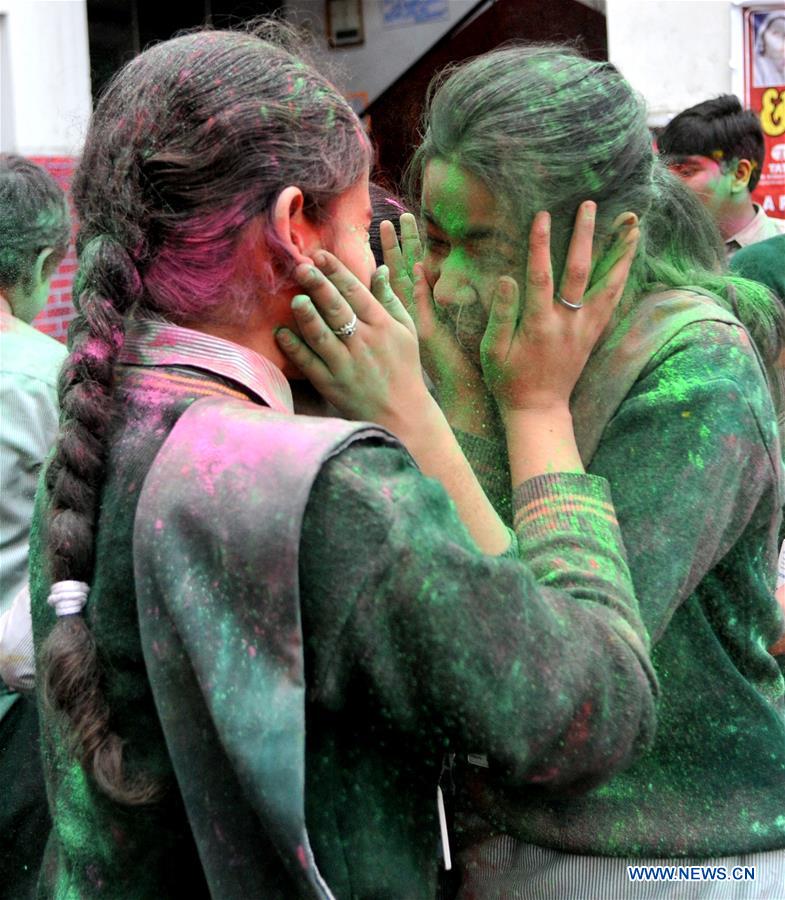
(258, 632)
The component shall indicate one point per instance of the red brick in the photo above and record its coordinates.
(59, 310)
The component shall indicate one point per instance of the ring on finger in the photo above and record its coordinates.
(567, 303)
(347, 330)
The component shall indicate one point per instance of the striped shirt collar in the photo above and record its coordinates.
(156, 342)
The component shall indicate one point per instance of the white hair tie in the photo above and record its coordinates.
(68, 597)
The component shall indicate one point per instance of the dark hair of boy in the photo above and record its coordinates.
(719, 129)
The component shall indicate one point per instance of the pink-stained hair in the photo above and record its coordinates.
(179, 166)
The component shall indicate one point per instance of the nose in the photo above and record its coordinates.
(445, 284)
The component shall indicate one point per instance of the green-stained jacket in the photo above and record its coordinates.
(302, 630)
(675, 411)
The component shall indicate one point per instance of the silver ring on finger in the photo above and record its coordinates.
(347, 330)
(567, 303)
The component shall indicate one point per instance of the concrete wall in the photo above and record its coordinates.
(45, 106)
(675, 53)
(386, 53)
(45, 68)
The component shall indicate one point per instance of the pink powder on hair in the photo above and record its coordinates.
(192, 272)
(393, 202)
(95, 348)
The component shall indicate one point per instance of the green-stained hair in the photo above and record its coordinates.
(544, 128)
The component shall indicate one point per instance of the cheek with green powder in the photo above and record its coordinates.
(469, 243)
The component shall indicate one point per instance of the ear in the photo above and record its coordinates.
(741, 176)
(42, 272)
(292, 228)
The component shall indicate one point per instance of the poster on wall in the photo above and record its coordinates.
(764, 92)
(396, 13)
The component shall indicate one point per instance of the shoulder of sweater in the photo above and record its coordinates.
(714, 364)
(364, 467)
(724, 350)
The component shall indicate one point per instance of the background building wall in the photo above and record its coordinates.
(46, 62)
(675, 52)
(46, 104)
(387, 51)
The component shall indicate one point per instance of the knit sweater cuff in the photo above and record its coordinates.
(564, 503)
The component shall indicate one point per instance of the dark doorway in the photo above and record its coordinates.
(119, 29)
(396, 114)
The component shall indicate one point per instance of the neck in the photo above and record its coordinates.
(737, 218)
(5, 306)
(308, 401)
(256, 334)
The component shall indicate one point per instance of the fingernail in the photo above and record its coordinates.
(589, 210)
(319, 258)
(382, 273)
(504, 288)
(300, 301)
(282, 335)
(546, 222)
(306, 274)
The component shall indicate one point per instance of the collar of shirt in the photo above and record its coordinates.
(757, 229)
(156, 342)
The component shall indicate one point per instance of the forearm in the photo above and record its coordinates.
(540, 442)
(451, 628)
(437, 452)
(488, 458)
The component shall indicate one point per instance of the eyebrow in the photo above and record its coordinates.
(472, 234)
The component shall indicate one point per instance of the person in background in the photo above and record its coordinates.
(764, 262)
(385, 205)
(34, 234)
(717, 150)
(258, 632)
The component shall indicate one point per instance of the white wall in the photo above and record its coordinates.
(675, 52)
(46, 76)
(386, 53)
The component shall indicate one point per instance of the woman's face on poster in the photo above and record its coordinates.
(774, 40)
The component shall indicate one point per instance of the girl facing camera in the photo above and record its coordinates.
(673, 409)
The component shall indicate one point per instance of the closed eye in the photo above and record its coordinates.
(683, 170)
(436, 244)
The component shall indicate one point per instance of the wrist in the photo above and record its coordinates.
(412, 417)
(541, 441)
(546, 416)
